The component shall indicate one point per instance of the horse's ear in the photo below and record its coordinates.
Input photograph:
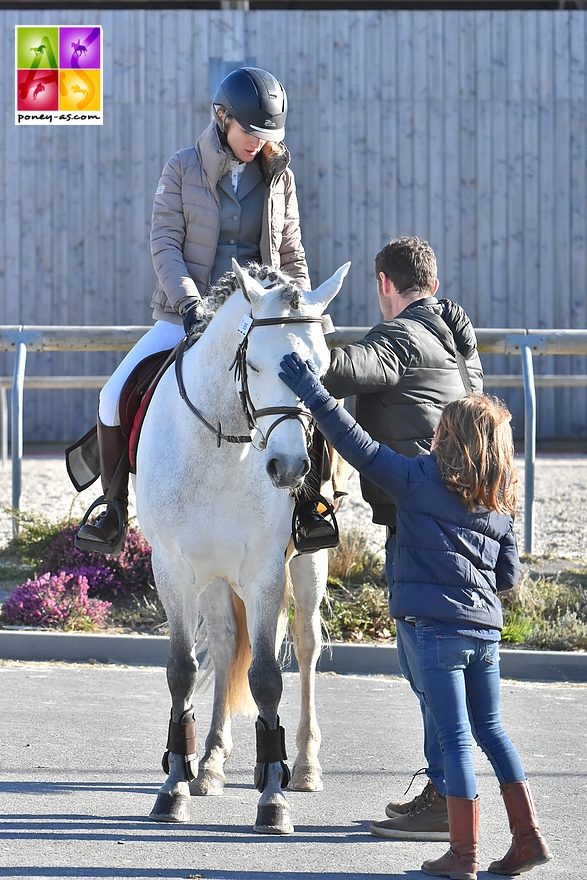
(328, 289)
(250, 287)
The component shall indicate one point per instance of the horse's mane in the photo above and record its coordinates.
(227, 284)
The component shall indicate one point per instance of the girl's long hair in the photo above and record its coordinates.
(475, 452)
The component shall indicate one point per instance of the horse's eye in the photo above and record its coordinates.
(253, 367)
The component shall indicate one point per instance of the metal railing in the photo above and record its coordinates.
(521, 342)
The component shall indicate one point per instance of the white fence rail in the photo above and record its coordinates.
(523, 343)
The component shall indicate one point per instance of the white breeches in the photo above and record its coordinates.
(162, 335)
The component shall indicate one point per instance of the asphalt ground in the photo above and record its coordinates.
(80, 769)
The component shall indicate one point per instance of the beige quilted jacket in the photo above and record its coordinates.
(186, 221)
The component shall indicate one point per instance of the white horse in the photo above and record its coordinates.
(217, 511)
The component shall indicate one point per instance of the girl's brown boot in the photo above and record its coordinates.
(461, 862)
(528, 847)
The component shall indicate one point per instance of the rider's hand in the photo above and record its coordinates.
(192, 319)
(303, 380)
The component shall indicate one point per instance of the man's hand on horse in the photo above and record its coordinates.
(302, 378)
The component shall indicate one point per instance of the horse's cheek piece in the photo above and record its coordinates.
(270, 748)
(181, 740)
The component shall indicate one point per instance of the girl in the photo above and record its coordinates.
(455, 549)
(233, 194)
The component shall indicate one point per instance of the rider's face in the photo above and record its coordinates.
(245, 146)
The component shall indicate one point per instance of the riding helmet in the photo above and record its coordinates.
(256, 99)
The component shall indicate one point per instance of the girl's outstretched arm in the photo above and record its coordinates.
(378, 463)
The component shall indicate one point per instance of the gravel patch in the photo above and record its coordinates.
(560, 491)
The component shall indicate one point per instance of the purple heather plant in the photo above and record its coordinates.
(61, 551)
(56, 600)
(134, 563)
(102, 579)
(111, 577)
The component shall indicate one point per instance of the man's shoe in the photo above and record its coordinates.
(400, 808)
(427, 819)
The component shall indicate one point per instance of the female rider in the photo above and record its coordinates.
(232, 195)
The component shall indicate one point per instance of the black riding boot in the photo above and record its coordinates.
(311, 530)
(108, 531)
(310, 527)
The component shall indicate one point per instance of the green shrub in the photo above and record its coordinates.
(354, 560)
(566, 633)
(517, 629)
(355, 607)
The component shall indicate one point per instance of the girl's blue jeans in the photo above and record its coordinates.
(461, 684)
(409, 663)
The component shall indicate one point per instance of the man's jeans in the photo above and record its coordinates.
(407, 652)
(461, 682)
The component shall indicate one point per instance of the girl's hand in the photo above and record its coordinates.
(302, 378)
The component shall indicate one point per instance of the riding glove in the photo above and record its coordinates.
(301, 377)
(192, 318)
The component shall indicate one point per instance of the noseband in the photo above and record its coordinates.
(239, 364)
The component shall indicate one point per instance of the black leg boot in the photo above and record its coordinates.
(107, 533)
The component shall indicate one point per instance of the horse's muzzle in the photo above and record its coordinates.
(286, 473)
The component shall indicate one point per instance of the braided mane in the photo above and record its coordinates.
(226, 285)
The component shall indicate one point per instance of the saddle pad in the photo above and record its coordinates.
(136, 396)
(82, 459)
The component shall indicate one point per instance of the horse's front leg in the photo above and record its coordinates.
(308, 574)
(272, 775)
(178, 595)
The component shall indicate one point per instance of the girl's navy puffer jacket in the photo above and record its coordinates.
(450, 562)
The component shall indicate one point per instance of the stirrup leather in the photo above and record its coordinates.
(308, 543)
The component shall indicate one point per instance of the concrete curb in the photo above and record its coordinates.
(344, 659)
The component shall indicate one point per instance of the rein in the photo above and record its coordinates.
(239, 364)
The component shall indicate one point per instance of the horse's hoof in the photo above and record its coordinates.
(273, 819)
(306, 778)
(171, 808)
(207, 784)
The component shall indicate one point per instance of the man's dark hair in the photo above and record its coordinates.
(409, 263)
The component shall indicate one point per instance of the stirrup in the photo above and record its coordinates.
(309, 543)
(104, 547)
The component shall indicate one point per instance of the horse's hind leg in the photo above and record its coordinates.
(181, 606)
(229, 650)
(308, 574)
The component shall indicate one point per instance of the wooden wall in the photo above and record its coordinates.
(466, 128)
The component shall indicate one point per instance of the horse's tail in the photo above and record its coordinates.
(240, 699)
(283, 640)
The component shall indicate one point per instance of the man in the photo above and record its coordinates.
(404, 372)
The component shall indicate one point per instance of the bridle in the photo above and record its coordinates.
(239, 365)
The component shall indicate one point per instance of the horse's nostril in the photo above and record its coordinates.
(271, 467)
